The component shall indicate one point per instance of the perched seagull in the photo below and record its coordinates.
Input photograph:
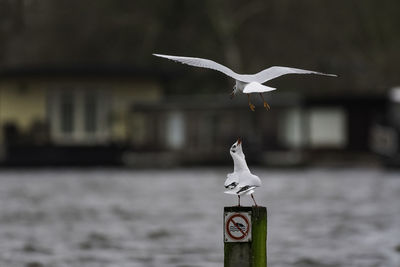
(245, 83)
(241, 181)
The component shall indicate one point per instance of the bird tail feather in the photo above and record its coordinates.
(231, 192)
(255, 87)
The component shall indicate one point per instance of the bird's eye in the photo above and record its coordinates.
(234, 146)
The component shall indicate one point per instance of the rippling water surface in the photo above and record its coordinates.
(100, 217)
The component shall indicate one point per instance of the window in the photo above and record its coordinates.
(328, 128)
(90, 113)
(76, 117)
(291, 131)
(175, 130)
(67, 112)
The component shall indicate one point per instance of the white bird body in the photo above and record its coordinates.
(245, 83)
(241, 181)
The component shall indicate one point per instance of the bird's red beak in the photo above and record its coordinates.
(239, 141)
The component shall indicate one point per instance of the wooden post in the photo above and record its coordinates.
(245, 245)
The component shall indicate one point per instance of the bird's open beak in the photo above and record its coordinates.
(239, 141)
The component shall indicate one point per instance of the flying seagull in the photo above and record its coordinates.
(245, 83)
(241, 181)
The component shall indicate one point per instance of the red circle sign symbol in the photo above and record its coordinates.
(239, 224)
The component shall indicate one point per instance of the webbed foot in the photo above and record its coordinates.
(252, 107)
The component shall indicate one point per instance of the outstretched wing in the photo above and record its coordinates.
(255, 87)
(276, 71)
(203, 63)
(261, 77)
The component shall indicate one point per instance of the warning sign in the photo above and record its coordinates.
(237, 227)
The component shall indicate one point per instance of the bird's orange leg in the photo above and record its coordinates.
(232, 95)
(266, 106)
(253, 199)
(252, 107)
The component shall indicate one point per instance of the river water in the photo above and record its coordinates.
(111, 217)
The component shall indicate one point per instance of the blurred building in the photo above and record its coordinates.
(298, 130)
(385, 134)
(70, 115)
(123, 116)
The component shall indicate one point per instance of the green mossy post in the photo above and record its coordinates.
(253, 253)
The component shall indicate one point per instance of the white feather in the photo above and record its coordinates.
(255, 87)
(231, 178)
(276, 71)
(231, 192)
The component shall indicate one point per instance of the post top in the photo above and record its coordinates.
(244, 209)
